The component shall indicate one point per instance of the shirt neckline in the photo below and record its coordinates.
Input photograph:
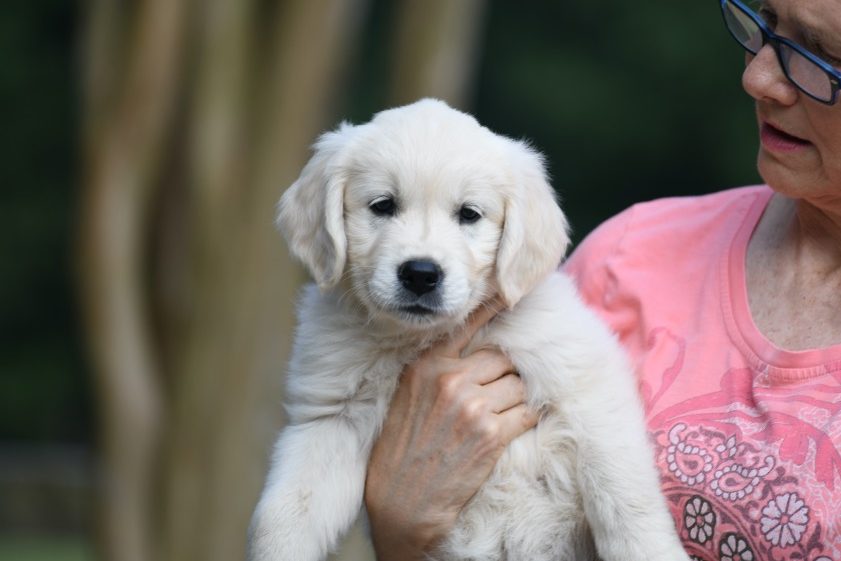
(778, 363)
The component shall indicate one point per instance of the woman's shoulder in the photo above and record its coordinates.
(665, 224)
(687, 213)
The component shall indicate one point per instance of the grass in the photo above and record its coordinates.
(45, 548)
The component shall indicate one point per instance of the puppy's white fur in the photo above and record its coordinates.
(580, 485)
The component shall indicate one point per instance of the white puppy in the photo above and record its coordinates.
(407, 224)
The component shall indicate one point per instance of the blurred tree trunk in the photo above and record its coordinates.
(197, 114)
(436, 46)
(128, 104)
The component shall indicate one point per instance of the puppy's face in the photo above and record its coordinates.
(423, 232)
(423, 214)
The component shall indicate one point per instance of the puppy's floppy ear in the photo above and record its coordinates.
(535, 234)
(311, 212)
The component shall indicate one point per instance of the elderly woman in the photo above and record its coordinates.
(730, 306)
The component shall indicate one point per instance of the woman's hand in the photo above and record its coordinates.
(449, 421)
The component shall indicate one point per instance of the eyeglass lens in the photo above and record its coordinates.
(743, 28)
(809, 77)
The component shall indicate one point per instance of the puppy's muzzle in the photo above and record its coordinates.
(420, 276)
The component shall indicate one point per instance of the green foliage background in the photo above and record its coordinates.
(628, 100)
(43, 387)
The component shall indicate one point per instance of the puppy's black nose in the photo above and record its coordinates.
(419, 276)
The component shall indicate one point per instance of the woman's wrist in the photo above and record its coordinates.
(390, 549)
(398, 530)
(397, 541)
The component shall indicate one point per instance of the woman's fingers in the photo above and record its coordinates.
(505, 393)
(486, 365)
(515, 421)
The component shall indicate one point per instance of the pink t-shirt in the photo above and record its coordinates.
(746, 434)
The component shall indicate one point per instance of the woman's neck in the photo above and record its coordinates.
(817, 232)
(794, 275)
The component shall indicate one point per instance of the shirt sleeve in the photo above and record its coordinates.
(589, 266)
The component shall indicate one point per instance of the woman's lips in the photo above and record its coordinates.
(779, 141)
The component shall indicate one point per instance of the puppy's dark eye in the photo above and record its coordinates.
(383, 207)
(468, 215)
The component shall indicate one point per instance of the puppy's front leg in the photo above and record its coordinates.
(312, 494)
(620, 487)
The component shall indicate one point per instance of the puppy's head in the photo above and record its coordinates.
(424, 214)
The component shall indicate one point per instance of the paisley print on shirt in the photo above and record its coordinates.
(746, 478)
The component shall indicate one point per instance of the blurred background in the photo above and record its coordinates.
(145, 300)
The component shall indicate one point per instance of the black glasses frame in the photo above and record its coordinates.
(776, 41)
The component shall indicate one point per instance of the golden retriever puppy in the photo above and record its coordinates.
(407, 224)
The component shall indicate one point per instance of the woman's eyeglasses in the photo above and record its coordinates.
(808, 73)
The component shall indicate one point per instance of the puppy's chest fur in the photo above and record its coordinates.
(340, 368)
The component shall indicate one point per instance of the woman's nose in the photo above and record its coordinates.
(764, 79)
